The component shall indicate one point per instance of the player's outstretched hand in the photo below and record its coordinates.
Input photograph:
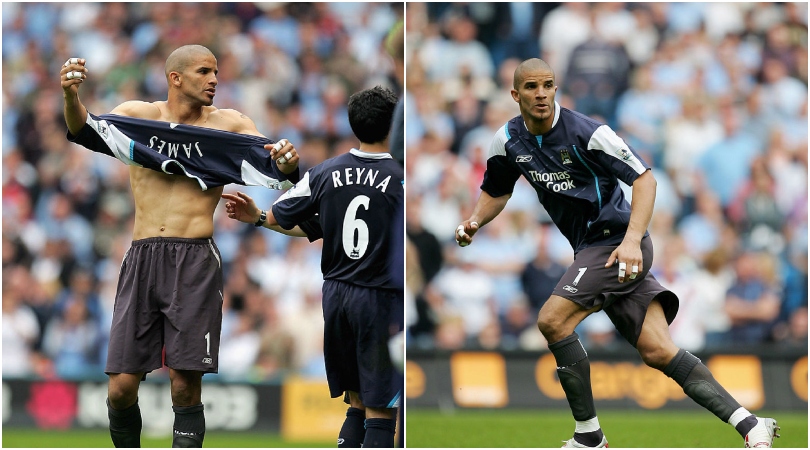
(72, 74)
(465, 233)
(284, 154)
(241, 207)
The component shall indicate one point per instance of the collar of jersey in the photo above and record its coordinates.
(553, 123)
(368, 155)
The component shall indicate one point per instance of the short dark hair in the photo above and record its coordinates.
(370, 113)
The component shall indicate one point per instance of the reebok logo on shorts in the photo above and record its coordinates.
(570, 289)
(207, 361)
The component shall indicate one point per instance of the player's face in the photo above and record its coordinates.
(200, 80)
(535, 96)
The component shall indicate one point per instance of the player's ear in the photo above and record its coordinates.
(174, 78)
(515, 96)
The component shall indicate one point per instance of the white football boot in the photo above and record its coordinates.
(761, 436)
(572, 443)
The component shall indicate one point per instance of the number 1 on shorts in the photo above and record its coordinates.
(208, 344)
(581, 272)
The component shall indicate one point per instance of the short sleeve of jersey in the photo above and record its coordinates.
(312, 227)
(296, 205)
(616, 155)
(499, 178)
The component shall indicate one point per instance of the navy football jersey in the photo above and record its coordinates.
(212, 157)
(356, 196)
(575, 169)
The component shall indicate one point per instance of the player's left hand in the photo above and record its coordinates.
(242, 208)
(630, 259)
(284, 154)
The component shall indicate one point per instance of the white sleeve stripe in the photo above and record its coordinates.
(607, 141)
(498, 145)
(301, 189)
(252, 176)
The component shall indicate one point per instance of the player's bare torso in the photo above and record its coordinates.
(172, 205)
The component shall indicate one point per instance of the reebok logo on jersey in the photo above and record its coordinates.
(523, 158)
(570, 289)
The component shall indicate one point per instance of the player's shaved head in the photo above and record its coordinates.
(530, 66)
(184, 56)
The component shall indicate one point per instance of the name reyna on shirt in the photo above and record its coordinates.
(355, 175)
(174, 147)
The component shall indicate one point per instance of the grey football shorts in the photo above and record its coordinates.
(588, 283)
(169, 296)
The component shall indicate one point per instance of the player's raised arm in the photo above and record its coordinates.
(72, 74)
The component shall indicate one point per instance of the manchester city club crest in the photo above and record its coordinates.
(624, 154)
(566, 158)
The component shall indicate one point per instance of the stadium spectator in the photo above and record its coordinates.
(73, 341)
(753, 301)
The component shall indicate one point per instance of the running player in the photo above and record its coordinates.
(575, 164)
(170, 287)
(355, 197)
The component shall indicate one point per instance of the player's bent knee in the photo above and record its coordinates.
(656, 357)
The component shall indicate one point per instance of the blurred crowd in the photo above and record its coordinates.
(68, 213)
(712, 95)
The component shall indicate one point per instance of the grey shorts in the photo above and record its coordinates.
(169, 295)
(589, 283)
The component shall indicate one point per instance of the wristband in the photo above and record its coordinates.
(262, 219)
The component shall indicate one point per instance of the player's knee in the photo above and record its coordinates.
(655, 356)
(121, 395)
(550, 326)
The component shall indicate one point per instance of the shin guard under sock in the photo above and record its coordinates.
(354, 430)
(125, 426)
(574, 371)
(380, 433)
(189, 426)
(699, 384)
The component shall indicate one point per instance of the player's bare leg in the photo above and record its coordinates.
(123, 410)
(557, 320)
(353, 430)
(658, 351)
(189, 418)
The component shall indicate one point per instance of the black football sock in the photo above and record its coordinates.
(353, 431)
(380, 433)
(574, 371)
(189, 426)
(125, 426)
(699, 384)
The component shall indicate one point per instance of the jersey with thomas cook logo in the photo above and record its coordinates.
(575, 169)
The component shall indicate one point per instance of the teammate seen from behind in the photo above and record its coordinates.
(355, 197)
(574, 164)
(170, 285)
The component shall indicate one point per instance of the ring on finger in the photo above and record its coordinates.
(622, 269)
(72, 75)
(288, 155)
(71, 61)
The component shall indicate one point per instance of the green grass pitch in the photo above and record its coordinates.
(15, 437)
(544, 428)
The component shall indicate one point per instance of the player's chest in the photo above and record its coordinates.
(553, 165)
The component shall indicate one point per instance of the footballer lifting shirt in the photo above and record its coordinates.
(575, 169)
(355, 196)
(211, 157)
